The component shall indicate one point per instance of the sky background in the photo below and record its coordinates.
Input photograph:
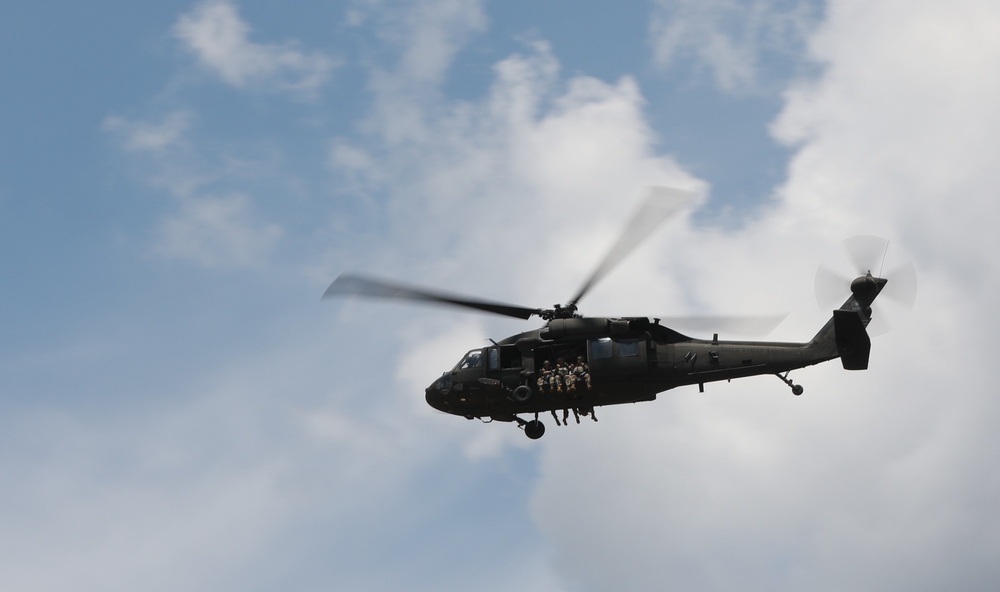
(180, 182)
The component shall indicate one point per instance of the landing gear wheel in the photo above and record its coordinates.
(521, 394)
(534, 429)
(796, 388)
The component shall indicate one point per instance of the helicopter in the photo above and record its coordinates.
(578, 363)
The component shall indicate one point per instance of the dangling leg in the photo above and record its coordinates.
(555, 417)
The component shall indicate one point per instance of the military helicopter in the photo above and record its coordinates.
(577, 363)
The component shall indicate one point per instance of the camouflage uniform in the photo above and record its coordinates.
(580, 372)
(562, 375)
(545, 377)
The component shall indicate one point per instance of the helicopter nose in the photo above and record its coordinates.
(435, 397)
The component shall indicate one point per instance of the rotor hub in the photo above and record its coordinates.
(559, 311)
(865, 288)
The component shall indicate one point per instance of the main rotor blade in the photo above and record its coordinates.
(661, 204)
(355, 285)
(742, 325)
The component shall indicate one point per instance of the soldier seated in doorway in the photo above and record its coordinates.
(579, 373)
(563, 375)
(547, 377)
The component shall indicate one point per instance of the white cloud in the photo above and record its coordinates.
(729, 37)
(527, 152)
(218, 232)
(208, 230)
(440, 29)
(193, 489)
(427, 34)
(216, 34)
(142, 136)
(910, 109)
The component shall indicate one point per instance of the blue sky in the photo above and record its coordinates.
(179, 183)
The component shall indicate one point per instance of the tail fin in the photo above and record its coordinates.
(844, 335)
(853, 343)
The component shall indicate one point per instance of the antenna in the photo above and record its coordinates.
(884, 253)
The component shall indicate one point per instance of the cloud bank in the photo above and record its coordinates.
(869, 481)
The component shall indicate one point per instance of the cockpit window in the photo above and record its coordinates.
(473, 359)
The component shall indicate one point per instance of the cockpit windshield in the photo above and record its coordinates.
(473, 359)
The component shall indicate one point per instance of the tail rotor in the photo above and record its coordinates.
(867, 254)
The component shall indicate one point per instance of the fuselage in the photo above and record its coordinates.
(628, 360)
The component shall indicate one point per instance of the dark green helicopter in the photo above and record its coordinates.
(577, 363)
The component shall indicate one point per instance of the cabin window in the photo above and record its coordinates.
(628, 348)
(473, 359)
(494, 358)
(600, 349)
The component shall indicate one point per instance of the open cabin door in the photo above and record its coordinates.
(504, 363)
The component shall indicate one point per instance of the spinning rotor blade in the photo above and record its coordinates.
(742, 325)
(355, 285)
(661, 204)
(832, 288)
(902, 289)
(900, 293)
(867, 253)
